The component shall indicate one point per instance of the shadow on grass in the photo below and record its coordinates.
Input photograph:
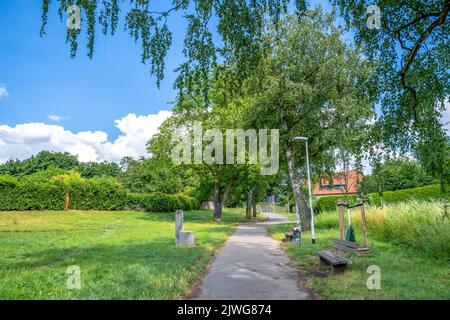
(113, 271)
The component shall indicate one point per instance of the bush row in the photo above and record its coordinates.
(160, 202)
(431, 192)
(426, 193)
(99, 193)
(16, 195)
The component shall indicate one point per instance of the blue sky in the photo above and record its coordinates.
(99, 109)
(43, 80)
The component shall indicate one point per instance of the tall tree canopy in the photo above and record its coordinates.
(42, 161)
(238, 24)
(153, 175)
(217, 180)
(395, 174)
(312, 84)
(45, 160)
(412, 52)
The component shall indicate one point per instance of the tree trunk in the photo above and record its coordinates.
(254, 203)
(300, 198)
(219, 199)
(225, 194)
(301, 208)
(217, 203)
(248, 206)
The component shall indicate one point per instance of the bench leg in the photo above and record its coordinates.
(323, 262)
(339, 268)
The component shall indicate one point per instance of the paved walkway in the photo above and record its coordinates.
(252, 265)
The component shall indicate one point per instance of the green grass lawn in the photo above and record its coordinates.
(122, 255)
(405, 273)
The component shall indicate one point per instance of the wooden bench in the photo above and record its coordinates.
(338, 263)
(347, 246)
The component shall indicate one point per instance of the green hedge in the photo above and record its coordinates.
(431, 192)
(99, 193)
(30, 195)
(160, 202)
(328, 203)
(85, 194)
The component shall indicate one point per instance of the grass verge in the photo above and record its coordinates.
(121, 255)
(411, 267)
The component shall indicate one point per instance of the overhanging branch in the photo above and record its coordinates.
(442, 16)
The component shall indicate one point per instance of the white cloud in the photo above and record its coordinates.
(25, 140)
(3, 91)
(56, 118)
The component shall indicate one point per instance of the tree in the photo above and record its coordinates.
(312, 84)
(42, 161)
(409, 32)
(411, 50)
(250, 187)
(152, 175)
(93, 169)
(395, 174)
(216, 180)
(436, 162)
(238, 24)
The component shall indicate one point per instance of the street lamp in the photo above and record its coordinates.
(304, 139)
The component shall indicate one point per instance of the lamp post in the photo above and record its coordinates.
(304, 139)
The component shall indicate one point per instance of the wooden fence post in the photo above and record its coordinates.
(363, 223)
(67, 201)
(341, 218)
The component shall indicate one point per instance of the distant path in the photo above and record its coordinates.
(252, 265)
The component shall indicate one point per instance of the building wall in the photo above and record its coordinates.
(338, 185)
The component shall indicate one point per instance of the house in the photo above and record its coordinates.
(338, 184)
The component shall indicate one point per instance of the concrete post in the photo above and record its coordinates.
(178, 225)
(186, 239)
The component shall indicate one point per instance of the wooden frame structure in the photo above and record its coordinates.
(341, 205)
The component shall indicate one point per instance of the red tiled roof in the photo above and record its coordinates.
(339, 180)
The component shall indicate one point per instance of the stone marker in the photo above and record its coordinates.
(178, 225)
(186, 239)
(182, 238)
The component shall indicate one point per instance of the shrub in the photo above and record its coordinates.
(136, 201)
(34, 193)
(47, 191)
(427, 193)
(99, 193)
(194, 203)
(328, 203)
(29, 195)
(160, 202)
